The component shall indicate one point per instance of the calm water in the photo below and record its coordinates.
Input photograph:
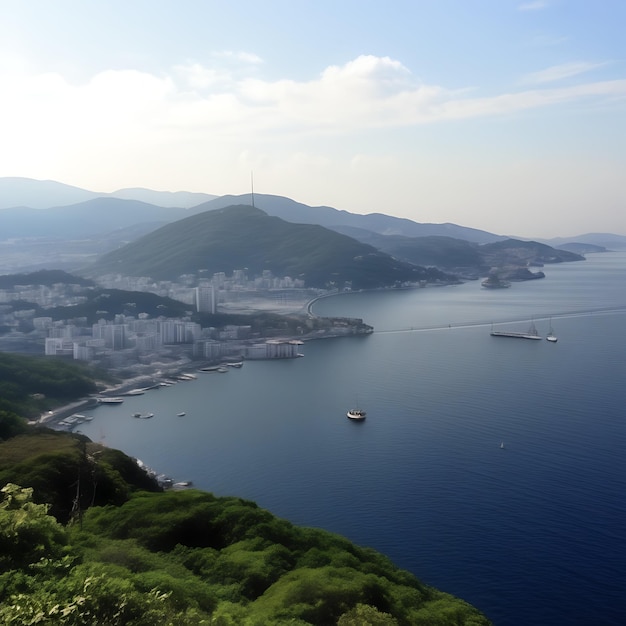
(531, 534)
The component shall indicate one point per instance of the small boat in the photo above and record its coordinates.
(110, 400)
(551, 337)
(502, 445)
(356, 414)
(143, 416)
(181, 414)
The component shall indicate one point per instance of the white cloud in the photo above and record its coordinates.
(559, 72)
(206, 112)
(366, 92)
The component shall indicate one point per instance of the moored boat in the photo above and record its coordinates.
(110, 400)
(356, 414)
(551, 337)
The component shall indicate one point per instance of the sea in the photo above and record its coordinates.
(492, 468)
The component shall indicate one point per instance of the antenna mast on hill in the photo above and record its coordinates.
(252, 187)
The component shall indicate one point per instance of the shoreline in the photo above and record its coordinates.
(52, 418)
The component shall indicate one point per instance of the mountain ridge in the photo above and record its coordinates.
(245, 237)
(49, 194)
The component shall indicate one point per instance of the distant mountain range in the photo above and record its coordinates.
(138, 206)
(85, 224)
(45, 194)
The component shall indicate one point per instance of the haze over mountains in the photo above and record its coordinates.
(39, 213)
(44, 194)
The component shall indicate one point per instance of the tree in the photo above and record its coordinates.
(27, 533)
(366, 615)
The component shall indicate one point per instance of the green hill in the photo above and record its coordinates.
(242, 237)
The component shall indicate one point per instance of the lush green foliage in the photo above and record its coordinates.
(240, 237)
(29, 385)
(263, 570)
(68, 472)
(11, 425)
(192, 558)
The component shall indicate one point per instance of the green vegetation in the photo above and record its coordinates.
(191, 558)
(273, 324)
(68, 472)
(451, 253)
(87, 537)
(433, 250)
(31, 385)
(240, 237)
(107, 303)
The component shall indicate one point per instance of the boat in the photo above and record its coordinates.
(531, 333)
(502, 445)
(551, 337)
(110, 400)
(181, 414)
(143, 416)
(356, 414)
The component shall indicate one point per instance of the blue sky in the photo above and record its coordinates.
(503, 115)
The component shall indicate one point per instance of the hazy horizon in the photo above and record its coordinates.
(505, 117)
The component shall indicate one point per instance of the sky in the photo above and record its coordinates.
(503, 115)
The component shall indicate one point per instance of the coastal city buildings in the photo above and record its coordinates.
(136, 341)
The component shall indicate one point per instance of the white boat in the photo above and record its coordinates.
(356, 414)
(502, 445)
(110, 400)
(143, 416)
(181, 414)
(551, 337)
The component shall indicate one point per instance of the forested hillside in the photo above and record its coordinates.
(87, 537)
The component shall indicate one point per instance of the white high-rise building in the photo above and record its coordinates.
(205, 299)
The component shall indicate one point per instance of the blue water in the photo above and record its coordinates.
(531, 534)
